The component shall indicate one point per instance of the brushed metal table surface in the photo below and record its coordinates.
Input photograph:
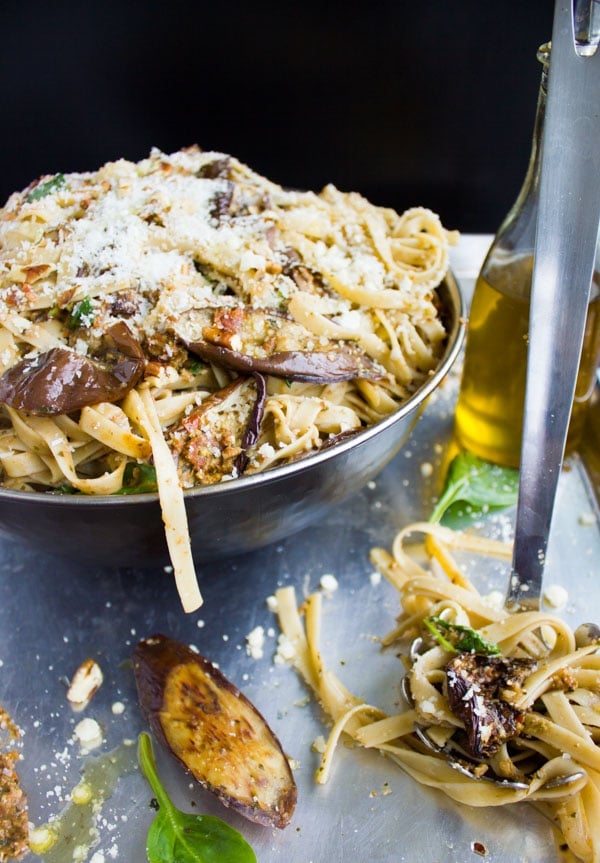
(54, 613)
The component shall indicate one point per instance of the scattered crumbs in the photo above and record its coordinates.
(1, 663)
(194, 648)
(89, 734)
(286, 651)
(168, 569)
(200, 624)
(556, 596)
(375, 578)
(495, 599)
(329, 583)
(587, 519)
(86, 681)
(70, 835)
(272, 604)
(426, 469)
(118, 708)
(225, 637)
(372, 484)
(255, 642)
(386, 789)
(438, 448)
(302, 702)
(373, 793)
(319, 744)
(479, 848)
(294, 763)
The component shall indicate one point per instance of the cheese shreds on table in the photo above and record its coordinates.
(183, 321)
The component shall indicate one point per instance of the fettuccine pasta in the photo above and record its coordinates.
(511, 715)
(253, 324)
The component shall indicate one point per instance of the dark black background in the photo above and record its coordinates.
(409, 103)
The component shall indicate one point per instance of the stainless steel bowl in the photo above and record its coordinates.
(231, 517)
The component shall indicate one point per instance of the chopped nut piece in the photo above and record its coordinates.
(86, 681)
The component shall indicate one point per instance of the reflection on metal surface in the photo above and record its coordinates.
(54, 616)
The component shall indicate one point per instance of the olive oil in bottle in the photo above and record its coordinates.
(489, 412)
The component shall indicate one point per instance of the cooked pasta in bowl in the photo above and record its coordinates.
(183, 340)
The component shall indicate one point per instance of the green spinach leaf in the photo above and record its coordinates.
(460, 639)
(47, 187)
(477, 482)
(138, 479)
(176, 837)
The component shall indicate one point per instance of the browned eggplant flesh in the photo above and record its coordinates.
(210, 442)
(482, 690)
(214, 731)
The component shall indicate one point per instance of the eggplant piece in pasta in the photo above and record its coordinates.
(481, 692)
(210, 441)
(60, 381)
(254, 340)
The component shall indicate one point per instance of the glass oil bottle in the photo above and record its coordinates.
(489, 413)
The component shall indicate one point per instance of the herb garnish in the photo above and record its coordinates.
(179, 837)
(138, 479)
(459, 639)
(47, 187)
(82, 314)
(479, 483)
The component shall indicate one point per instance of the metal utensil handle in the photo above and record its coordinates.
(566, 238)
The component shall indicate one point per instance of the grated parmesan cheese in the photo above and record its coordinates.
(255, 642)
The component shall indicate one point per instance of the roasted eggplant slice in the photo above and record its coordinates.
(481, 692)
(210, 442)
(60, 381)
(251, 340)
(214, 731)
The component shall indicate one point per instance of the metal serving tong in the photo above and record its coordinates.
(566, 237)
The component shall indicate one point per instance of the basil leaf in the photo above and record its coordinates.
(46, 188)
(178, 837)
(479, 483)
(82, 314)
(460, 639)
(138, 479)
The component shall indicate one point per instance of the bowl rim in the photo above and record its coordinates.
(456, 334)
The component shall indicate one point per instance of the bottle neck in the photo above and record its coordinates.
(529, 193)
(517, 231)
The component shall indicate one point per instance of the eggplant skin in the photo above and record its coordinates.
(254, 340)
(214, 731)
(61, 381)
(323, 367)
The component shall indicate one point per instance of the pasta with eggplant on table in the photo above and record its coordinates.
(500, 707)
(182, 321)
